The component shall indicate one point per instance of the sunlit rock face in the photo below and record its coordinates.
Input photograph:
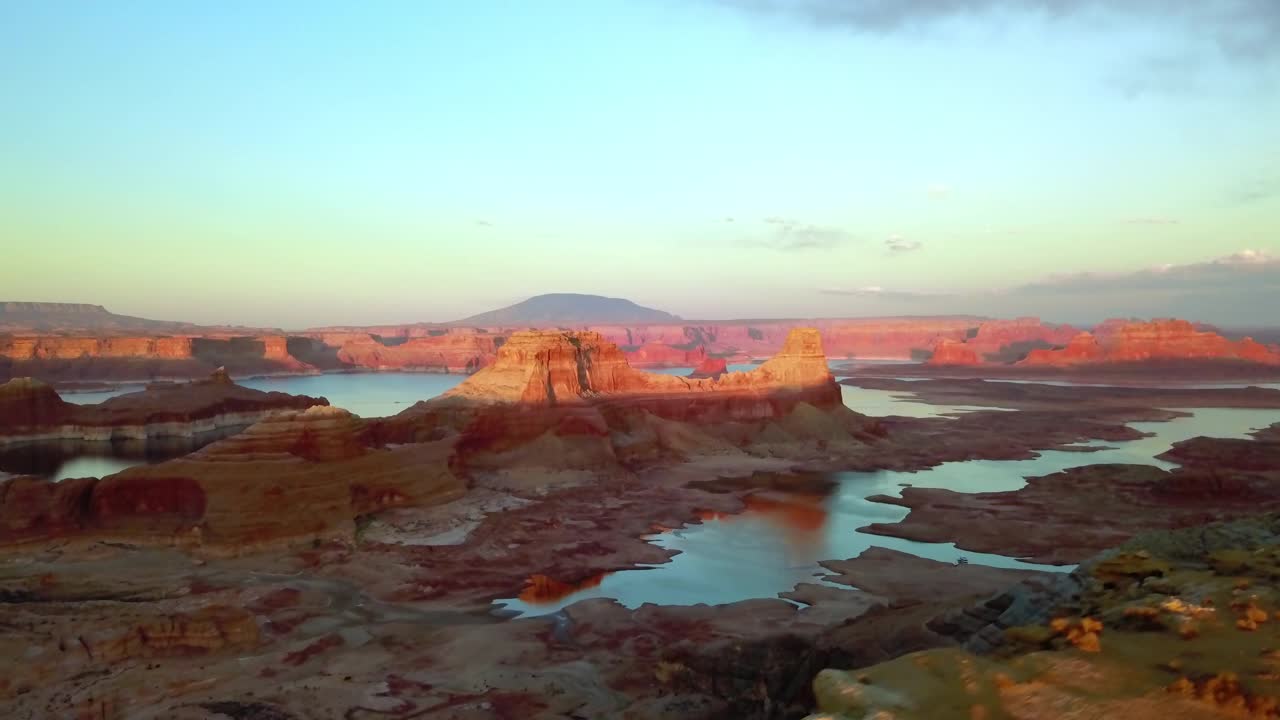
(572, 399)
(953, 352)
(710, 368)
(566, 368)
(1121, 341)
(296, 476)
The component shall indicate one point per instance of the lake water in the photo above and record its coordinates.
(60, 460)
(365, 394)
(778, 542)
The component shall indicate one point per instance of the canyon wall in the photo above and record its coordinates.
(429, 348)
(1122, 341)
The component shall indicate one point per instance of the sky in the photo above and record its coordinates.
(291, 164)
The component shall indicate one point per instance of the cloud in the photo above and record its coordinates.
(1254, 190)
(899, 245)
(937, 191)
(1239, 289)
(1151, 220)
(1240, 29)
(1221, 273)
(794, 236)
(875, 291)
(483, 223)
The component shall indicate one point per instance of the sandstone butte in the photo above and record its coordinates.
(298, 475)
(30, 410)
(559, 401)
(1009, 340)
(433, 348)
(111, 356)
(711, 367)
(953, 352)
(1118, 341)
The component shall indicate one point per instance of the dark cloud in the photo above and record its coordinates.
(899, 245)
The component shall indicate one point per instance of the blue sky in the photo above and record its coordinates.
(294, 163)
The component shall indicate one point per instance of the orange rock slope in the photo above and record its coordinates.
(298, 475)
(1118, 341)
(953, 352)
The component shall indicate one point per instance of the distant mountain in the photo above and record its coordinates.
(17, 317)
(567, 310)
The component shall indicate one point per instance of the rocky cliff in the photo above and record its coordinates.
(953, 352)
(1118, 341)
(31, 410)
(297, 475)
(570, 399)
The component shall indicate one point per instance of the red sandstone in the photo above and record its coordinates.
(1118, 341)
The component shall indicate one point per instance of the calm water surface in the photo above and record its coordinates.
(365, 394)
(778, 543)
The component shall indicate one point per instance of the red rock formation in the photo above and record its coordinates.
(1009, 340)
(662, 355)
(557, 368)
(31, 410)
(569, 399)
(712, 367)
(1118, 341)
(142, 358)
(456, 351)
(953, 352)
(297, 475)
(1083, 348)
(435, 348)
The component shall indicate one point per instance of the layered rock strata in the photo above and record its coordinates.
(32, 411)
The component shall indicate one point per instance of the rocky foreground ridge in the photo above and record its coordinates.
(1181, 624)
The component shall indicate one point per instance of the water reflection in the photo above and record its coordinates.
(543, 590)
(59, 460)
(365, 394)
(780, 538)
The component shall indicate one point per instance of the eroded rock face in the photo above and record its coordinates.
(571, 398)
(31, 410)
(1171, 624)
(455, 351)
(953, 352)
(545, 368)
(1009, 340)
(296, 476)
(1070, 515)
(710, 368)
(1118, 341)
(664, 355)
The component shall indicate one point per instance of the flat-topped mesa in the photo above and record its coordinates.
(31, 411)
(26, 402)
(953, 352)
(711, 367)
(552, 368)
(296, 476)
(1120, 341)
